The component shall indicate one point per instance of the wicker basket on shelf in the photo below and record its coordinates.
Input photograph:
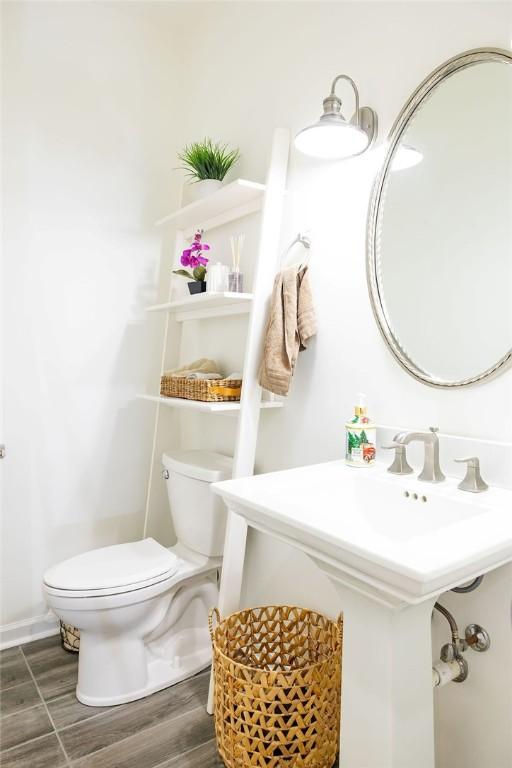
(277, 696)
(70, 637)
(207, 390)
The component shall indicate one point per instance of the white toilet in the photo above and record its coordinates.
(142, 608)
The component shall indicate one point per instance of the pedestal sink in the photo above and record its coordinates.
(391, 545)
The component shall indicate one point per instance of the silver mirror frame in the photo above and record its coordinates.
(459, 62)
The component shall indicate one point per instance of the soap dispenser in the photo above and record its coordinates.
(360, 436)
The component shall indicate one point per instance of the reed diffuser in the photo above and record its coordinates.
(235, 277)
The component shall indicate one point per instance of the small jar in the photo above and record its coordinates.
(217, 278)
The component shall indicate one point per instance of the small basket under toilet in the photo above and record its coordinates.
(70, 637)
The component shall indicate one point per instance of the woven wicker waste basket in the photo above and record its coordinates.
(70, 637)
(277, 697)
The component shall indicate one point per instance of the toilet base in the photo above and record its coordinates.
(161, 673)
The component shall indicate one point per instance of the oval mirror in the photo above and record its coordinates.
(440, 225)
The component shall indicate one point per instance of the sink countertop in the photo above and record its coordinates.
(361, 519)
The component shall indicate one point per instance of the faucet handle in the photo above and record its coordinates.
(471, 461)
(473, 481)
(434, 429)
(399, 465)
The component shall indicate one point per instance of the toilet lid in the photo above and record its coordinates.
(122, 565)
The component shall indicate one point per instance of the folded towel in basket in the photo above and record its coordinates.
(203, 365)
(201, 375)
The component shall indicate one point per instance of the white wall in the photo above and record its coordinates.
(88, 108)
(253, 66)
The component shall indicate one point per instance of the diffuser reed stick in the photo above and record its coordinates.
(237, 245)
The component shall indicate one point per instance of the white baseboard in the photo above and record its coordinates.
(20, 632)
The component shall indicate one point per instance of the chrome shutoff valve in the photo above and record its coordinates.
(477, 638)
(452, 653)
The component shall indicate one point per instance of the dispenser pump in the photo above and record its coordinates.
(360, 408)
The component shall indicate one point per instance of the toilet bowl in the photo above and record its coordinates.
(142, 608)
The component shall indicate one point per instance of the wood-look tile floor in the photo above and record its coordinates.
(42, 724)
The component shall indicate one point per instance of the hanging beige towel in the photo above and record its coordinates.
(291, 324)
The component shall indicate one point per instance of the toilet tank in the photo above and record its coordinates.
(199, 515)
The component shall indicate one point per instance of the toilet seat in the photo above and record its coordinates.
(117, 569)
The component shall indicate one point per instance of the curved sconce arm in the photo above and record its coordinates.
(333, 96)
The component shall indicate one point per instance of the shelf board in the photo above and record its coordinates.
(198, 405)
(205, 305)
(237, 199)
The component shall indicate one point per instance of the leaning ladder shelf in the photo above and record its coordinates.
(228, 204)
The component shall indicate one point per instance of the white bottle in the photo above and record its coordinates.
(360, 437)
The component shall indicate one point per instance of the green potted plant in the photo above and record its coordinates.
(193, 257)
(206, 164)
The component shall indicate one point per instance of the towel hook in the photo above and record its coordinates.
(302, 238)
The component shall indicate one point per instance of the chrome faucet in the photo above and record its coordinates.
(431, 472)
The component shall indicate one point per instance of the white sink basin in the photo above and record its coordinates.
(401, 515)
(415, 538)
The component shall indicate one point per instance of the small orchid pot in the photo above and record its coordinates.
(193, 258)
(197, 286)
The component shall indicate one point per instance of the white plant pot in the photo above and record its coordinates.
(202, 189)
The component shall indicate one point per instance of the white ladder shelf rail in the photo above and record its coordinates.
(179, 245)
(247, 433)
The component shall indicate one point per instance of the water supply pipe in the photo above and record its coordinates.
(451, 621)
(451, 667)
(469, 587)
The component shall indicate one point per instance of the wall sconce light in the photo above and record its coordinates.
(335, 137)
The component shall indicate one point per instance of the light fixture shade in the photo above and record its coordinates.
(406, 157)
(332, 138)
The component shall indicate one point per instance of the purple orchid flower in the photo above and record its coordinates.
(192, 257)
